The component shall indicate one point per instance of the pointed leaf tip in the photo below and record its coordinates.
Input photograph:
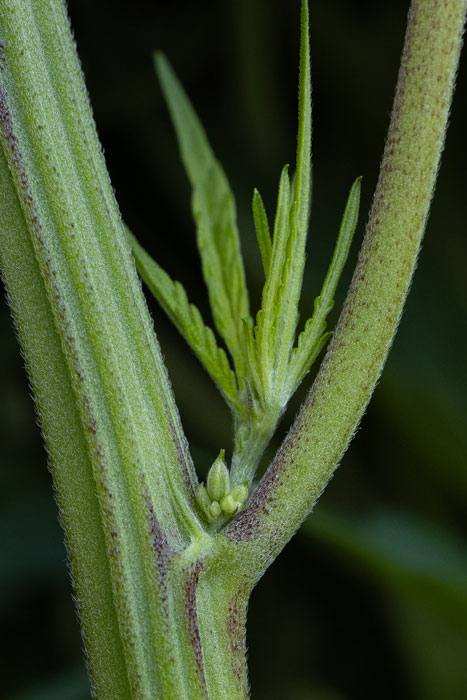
(312, 338)
(214, 211)
(187, 318)
(262, 231)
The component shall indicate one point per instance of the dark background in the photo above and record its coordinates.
(370, 598)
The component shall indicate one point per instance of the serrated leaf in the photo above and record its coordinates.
(299, 214)
(276, 329)
(262, 231)
(311, 340)
(302, 179)
(213, 208)
(266, 337)
(254, 383)
(188, 320)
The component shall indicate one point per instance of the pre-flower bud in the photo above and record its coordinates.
(240, 493)
(228, 505)
(214, 510)
(203, 499)
(218, 481)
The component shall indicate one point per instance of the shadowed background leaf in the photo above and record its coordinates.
(371, 594)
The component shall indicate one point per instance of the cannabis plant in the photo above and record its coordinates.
(163, 564)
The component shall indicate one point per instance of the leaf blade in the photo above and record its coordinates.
(188, 320)
(300, 211)
(283, 285)
(262, 231)
(267, 318)
(302, 183)
(214, 211)
(313, 337)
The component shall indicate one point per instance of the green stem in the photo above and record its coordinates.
(123, 476)
(249, 447)
(66, 446)
(372, 311)
(160, 606)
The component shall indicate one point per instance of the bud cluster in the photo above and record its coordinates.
(216, 498)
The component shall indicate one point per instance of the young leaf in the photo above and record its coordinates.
(312, 339)
(253, 384)
(299, 215)
(262, 231)
(277, 322)
(186, 317)
(302, 181)
(214, 212)
(266, 335)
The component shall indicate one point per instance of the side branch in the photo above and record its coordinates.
(368, 322)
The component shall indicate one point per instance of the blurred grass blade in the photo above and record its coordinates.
(313, 337)
(213, 208)
(72, 685)
(401, 552)
(188, 320)
(262, 231)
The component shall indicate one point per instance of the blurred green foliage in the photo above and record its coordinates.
(371, 597)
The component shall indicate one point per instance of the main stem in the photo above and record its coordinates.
(162, 609)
